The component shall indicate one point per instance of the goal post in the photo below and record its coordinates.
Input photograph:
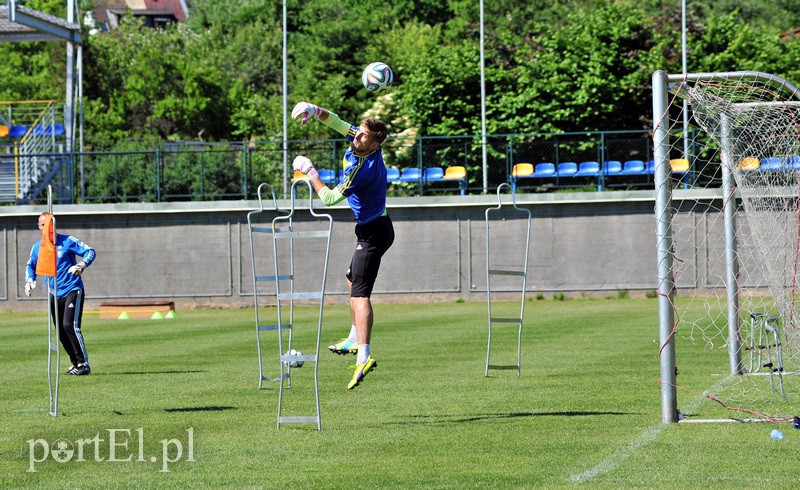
(738, 241)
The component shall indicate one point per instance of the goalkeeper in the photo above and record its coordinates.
(364, 187)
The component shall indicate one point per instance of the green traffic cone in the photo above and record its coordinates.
(171, 314)
(157, 316)
(124, 316)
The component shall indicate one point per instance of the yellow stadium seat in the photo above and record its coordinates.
(522, 170)
(298, 175)
(455, 173)
(679, 165)
(3, 131)
(748, 163)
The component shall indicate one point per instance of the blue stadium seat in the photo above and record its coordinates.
(588, 169)
(434, 174)
(392, 175)
(771, 164)
(612, 167)
(651, 167)
(544, 170)
(567, 169)
(17, 131)
(633, 167)
(327, 176)
(793, 163)
(410, 174)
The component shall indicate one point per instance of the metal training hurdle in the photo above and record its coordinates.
(253, 229)
(284, 299)
(523, 273)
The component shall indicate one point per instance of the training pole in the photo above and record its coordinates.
(53, 365)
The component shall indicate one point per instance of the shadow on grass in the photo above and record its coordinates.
(150, 372)
(448, 419)
(213, 408)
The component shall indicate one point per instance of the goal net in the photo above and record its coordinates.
(727, 159)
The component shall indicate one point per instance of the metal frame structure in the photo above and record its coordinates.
(664, 242)
(523, 273)
(287, 358)
(53, 368)
(251, 218)
(22, 24)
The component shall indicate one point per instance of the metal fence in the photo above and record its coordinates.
(197, 171)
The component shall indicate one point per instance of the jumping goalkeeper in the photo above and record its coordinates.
(364, 187)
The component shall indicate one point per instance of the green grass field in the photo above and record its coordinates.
(586, 409)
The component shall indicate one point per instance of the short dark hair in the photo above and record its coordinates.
(376, 127)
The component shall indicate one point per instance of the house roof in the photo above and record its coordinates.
(142, 7)
(32, 25)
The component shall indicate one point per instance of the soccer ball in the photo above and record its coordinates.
(377, 76)
(294, 364)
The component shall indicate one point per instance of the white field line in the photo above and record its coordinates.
(610, 463)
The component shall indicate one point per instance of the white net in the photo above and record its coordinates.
(749, 126)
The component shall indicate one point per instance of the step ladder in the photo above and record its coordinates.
(283, 298)
(254, 229)
(521, 272)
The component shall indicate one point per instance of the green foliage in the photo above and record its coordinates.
(551, 66)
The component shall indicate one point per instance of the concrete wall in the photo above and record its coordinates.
(198, 254)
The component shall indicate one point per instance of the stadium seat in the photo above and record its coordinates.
(3, 131)
(17, 131)
(410, 174)
(633, 167)
(612, 167)
(341, 176)
(327, 176)
(48, 130)
(522, 170)
(298, 175)
(588, 169)
(457, 173)
(567, 169)
(679, 165)
(651, 167)
(793, 163)
(771, 164)
(392, 175)
(434, 174)
(544, 170)
(748, 163)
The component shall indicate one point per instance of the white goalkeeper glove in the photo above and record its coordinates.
(308, 110)
(29, 285)
(77, 269)
(304, 165)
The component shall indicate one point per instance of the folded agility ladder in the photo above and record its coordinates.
(288, 358)
(523, 273)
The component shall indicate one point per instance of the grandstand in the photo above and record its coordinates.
(34, 135)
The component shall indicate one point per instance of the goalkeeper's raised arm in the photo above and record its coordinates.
(329, 197)
(323, 115)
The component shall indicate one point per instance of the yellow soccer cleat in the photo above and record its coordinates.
(344, 346)
(361, 371)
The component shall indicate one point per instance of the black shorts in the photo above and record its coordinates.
(374, 239)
